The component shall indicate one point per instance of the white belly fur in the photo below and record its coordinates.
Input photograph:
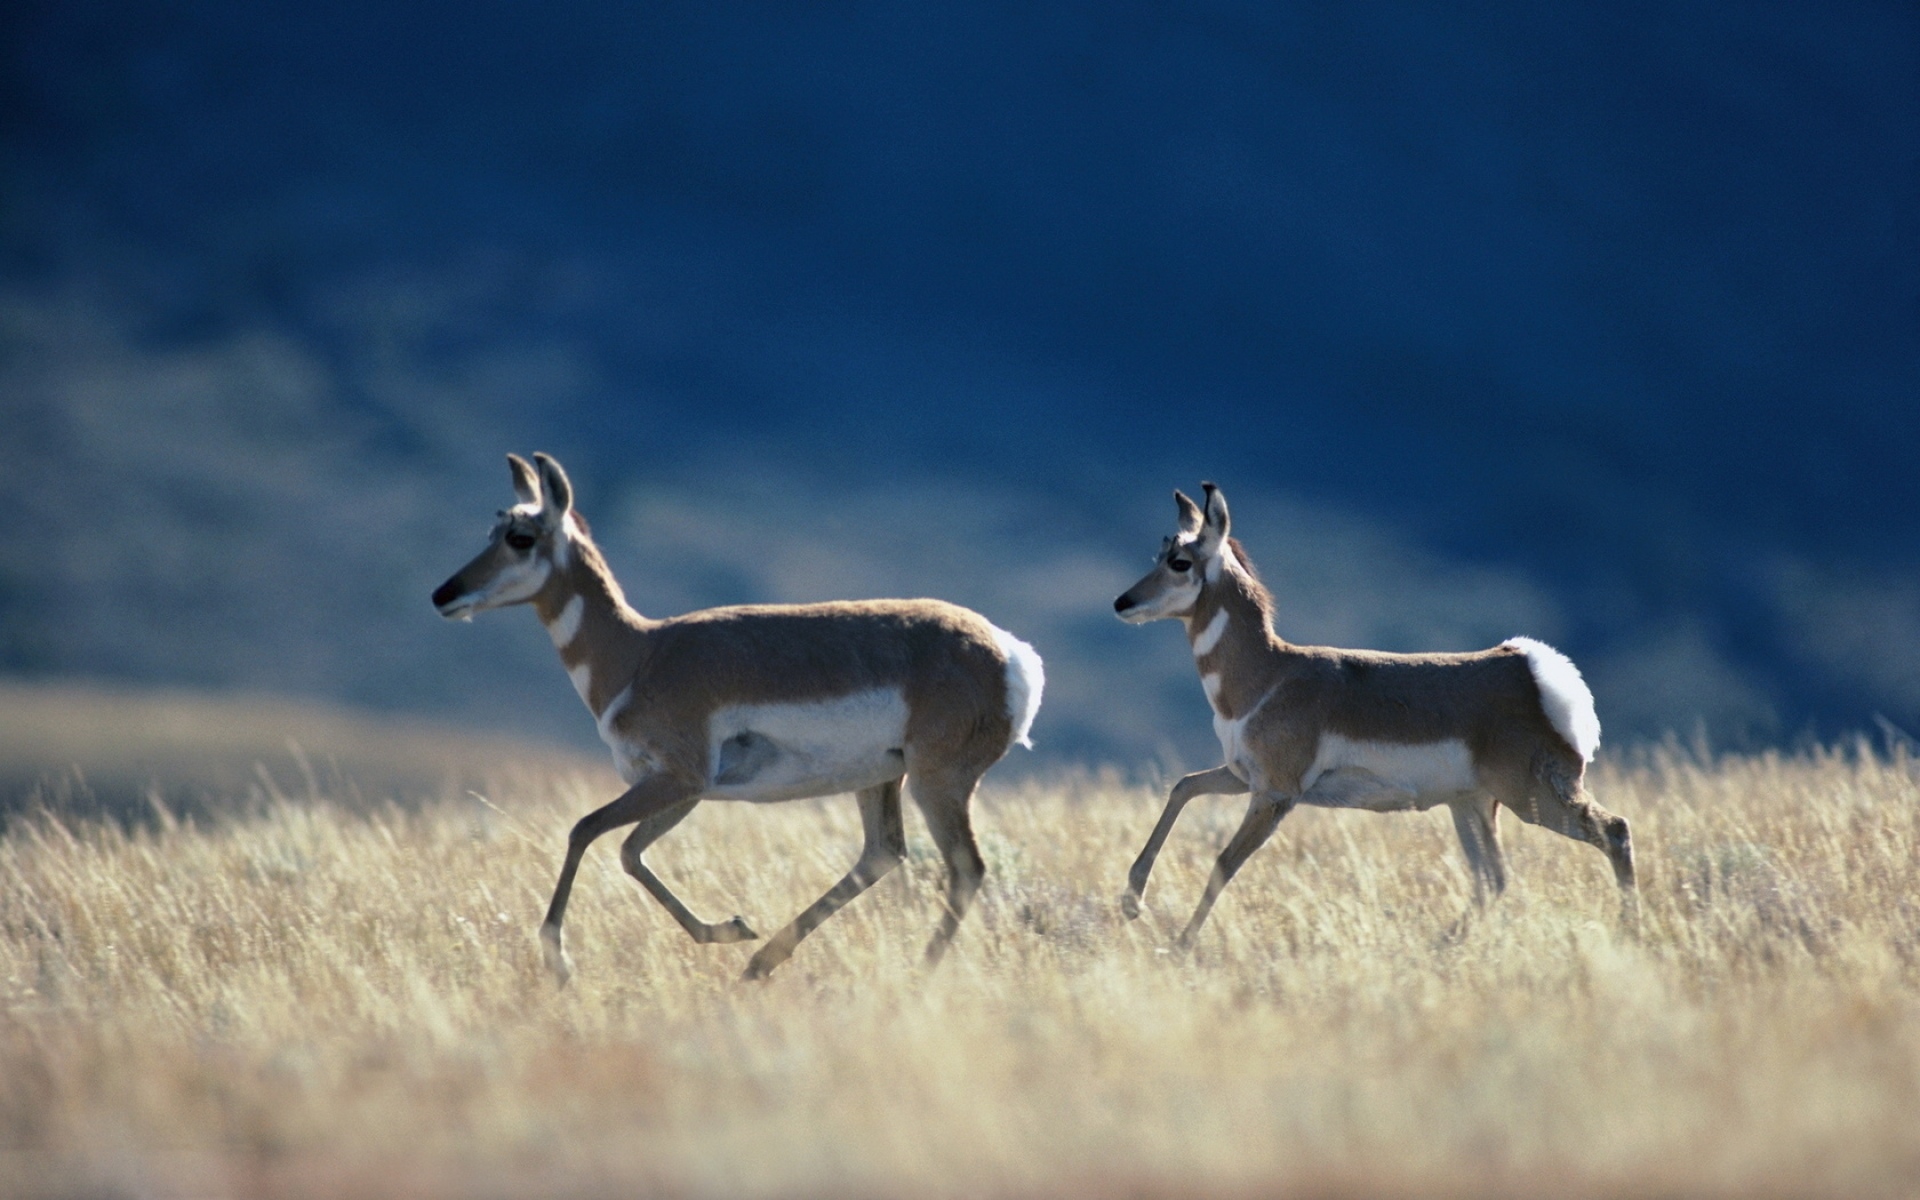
(818, 747)
(1387, 775)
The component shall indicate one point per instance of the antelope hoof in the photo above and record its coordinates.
(735, 930)
(760, 966)
(1630, 915)
(556, 955)
(1130, 905)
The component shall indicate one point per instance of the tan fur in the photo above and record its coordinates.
(1281, 700)
(654, 686)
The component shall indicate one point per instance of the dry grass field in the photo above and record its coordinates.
(321, 999)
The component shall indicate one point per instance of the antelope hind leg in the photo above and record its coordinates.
(1476, 820)
(1561, 802)
(649, 831)
(886, 846)
(944, 805)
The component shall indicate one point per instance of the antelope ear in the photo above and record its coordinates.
(1190, 517)
(555, 491)
(526, 484)
(1216, 527)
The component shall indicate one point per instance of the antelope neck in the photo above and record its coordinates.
(1232, 644)
(594, 629)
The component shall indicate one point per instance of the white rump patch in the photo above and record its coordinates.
(566, 626)
(1386, 775)
(1026, 679)
(1563, 694)
(769, 752)
(1210, 636)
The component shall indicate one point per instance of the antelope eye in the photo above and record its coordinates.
(1180, 564)
(520, 541)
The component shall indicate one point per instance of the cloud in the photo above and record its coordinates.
(1676, 679)
(1860, 630)
(213, 512)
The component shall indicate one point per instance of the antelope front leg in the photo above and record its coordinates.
(1263, 815)
(1217, 782)
(1476, 820)
(644, 799)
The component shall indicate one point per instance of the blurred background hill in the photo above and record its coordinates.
(1597, 322)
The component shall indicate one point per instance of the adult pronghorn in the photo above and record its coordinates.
(1513, 725)
(761, 703)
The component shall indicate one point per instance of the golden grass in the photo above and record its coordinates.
(313, 1002)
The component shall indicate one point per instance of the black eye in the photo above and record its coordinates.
(1180, 564)
(520, 541)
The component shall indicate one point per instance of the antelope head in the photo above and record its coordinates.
(527, 544)
(1186, 561)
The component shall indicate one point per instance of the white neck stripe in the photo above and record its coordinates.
(565, 627)
(1210, 636)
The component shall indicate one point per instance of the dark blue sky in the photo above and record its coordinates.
(1624, 298)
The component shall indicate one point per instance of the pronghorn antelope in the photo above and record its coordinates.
(760, 703)
(1513, 725)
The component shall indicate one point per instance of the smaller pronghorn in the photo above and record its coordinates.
(760, 703)
(1362, 729)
